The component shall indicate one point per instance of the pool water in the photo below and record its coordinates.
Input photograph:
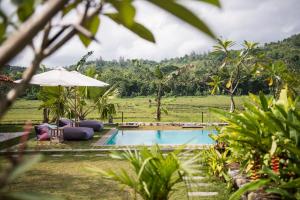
(163, 137)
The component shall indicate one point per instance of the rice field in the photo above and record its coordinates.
(141, 109)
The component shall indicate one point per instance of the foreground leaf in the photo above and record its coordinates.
(212, 2)
(25, 166)
(136, 28)
(92, 25)
(184, 14)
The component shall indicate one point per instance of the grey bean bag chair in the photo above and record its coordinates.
(96, 125)
(78, 133)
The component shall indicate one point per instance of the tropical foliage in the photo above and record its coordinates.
(154, 175)
(217, 162)
(105, 108)
(236, 63)
(54, 102)
(18, 164)
(264, 139)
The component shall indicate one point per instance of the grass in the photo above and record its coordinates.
(68, 178)
(180, 109)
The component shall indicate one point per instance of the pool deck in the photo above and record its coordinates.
(174, 124)
(9, 136)
(103, 140)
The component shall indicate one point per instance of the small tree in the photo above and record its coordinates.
(162, 80)
(105, 107)
(237, 62)
(159, 82)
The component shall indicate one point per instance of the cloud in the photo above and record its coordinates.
(257, 20)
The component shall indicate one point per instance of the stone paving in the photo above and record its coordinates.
(198, 182)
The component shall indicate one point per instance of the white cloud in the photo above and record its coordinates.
(256, 20)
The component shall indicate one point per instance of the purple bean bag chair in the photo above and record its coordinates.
(78, 133)
(96, 125)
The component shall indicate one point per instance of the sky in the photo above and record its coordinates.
(260, 21)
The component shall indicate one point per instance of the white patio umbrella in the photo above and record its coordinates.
(61, 77)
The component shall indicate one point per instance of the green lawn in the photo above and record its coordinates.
(180, 109)
(68, 178)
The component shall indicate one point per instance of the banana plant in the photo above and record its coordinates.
(215, 84)
(155, 174)
(54, 99)
(105, 107)
(89, 98)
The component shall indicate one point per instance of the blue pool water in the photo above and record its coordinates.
(149, 137)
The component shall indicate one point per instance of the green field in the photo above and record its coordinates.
(139, 109)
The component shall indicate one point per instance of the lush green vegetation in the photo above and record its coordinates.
(156, 175)
(135, 77)
(68, 177)
(264, 141)
(180, 109)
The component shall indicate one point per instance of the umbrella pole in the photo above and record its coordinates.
(59, 101)
(75, 106)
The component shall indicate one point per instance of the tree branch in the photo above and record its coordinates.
(30, 71)
(73, 31)
(85, 32)
(28, 31)
(46, 35)
(14, 93)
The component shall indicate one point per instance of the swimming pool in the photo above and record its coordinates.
(162, 137)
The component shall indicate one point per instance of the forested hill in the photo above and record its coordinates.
(136, 77)
(287, 49)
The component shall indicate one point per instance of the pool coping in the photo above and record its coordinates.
(179, 124)
(103, 140)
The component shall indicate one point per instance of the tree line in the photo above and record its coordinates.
(136, 77)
